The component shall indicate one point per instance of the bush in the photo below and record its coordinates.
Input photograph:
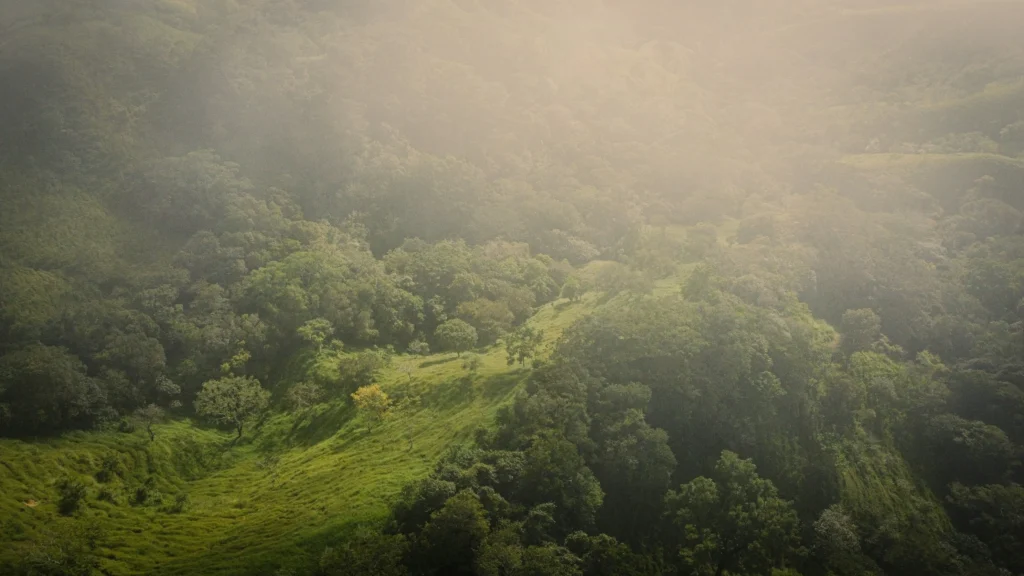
(359, 368)
(106, 495)
(418, 347)
(146, 493)
(110, 467)
(181, 503)
(126, 426)
(71, 492)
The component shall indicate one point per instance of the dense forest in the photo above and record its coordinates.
(512, 288)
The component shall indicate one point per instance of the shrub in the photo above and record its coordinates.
(418, 347)
(71, 493)
(141, 495)
(107, 495)
(146, 493)
(181, 503)
(110, 467)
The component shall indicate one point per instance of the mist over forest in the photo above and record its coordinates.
(512, 287)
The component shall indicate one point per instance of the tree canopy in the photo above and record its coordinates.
(798, 228)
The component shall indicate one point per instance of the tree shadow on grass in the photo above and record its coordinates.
(321, 425)
(464, 389)
(445, 360)
(452, 392)
(500, 385)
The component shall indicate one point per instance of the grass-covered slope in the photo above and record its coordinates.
(275, 499)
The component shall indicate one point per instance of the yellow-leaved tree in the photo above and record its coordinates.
(373, 403)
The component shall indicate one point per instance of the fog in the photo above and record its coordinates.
(511, 287)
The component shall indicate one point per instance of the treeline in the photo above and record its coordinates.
(249, 287)
(186, 184)
(722, 430)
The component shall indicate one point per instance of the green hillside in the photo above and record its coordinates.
(532, 288)
(291, 489)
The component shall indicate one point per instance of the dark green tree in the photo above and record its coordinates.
(451, 538)
(46, 388)
(366, 553)
(456, 335)
(232, 400)
(734, 522)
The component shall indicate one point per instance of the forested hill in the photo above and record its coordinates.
(727, 288)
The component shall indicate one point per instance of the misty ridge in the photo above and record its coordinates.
(511, 287)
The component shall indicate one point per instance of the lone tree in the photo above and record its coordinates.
(150, 415)
(572, 289)
(232, 400)
(522, 345)
(316, 332)
(456, 335)
(373, 402)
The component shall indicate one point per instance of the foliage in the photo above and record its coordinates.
(522, 344)
(233, 400)
(366, 554)
(418, 347)
(490, 319)
(472, 363)
(452, 535)
(71, 493)
(46, 388)
(572, 289)
(456, 335)
(304, 395)
(200, 191)
(150, 415)
(837, 543)
(373, 402)
(993, 514)
(181, 503)
(734, 522)
(362, 367)
(316, 332)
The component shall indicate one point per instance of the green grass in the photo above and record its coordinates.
(278, 497)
